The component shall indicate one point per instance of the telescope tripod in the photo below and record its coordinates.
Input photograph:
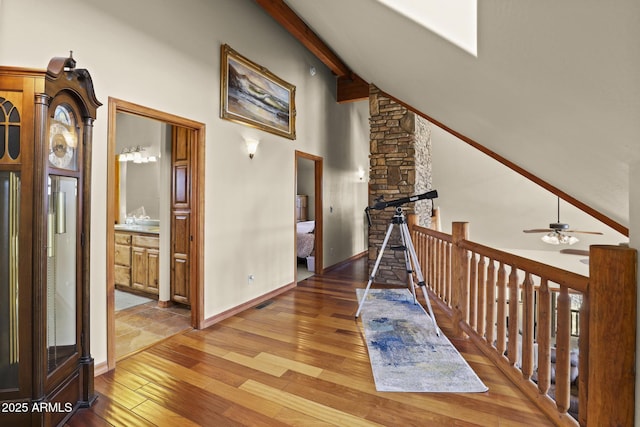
(411, 261)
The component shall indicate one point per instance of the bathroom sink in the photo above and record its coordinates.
(148, 222)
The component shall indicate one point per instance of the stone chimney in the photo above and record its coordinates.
(400, 166)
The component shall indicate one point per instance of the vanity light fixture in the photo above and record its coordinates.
(122, 157)
(252, 146)
(136, 155)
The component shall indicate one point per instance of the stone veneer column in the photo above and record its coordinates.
(400, 166)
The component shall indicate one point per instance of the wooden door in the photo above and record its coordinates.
(181, 233)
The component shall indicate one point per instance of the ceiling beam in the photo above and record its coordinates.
(350, 87)
(291, 22)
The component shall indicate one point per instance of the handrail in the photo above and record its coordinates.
(557, 275)
(492, 295)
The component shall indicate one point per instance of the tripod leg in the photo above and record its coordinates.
(407, 260)
(375, 268)
(414, 257)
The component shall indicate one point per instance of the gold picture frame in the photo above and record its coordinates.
(252, 95)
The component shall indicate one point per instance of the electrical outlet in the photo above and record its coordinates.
(251, 278)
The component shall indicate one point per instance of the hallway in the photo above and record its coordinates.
(297, 359)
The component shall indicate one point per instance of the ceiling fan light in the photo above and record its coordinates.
(572, 240)
(551, 238)
(557, 238)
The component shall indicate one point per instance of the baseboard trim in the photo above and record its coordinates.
(346, 261)
(103, 367)
(235, 310)
(100, 368)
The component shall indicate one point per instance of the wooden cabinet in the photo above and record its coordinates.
(123, 259)
(153, 270)
(137, 261)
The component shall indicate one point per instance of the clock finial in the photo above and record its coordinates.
(70, 63)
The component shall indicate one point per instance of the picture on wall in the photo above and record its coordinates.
(252, 95)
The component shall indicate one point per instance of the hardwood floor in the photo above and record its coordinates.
(299, 359)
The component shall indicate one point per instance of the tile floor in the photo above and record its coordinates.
(303, 271)
(126, 299)
(142, 325)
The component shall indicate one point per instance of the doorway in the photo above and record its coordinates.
(186, 177)
(308, 215)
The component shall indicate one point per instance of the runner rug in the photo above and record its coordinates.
(406, 353)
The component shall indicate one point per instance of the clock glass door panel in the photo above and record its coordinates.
(9, 226)
(62, 278)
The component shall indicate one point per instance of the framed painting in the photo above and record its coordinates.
(252, 95)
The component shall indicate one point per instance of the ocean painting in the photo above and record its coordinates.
(254, 96)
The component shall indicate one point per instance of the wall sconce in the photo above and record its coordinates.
(252, 146)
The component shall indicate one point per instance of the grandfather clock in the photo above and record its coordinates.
(46, 123)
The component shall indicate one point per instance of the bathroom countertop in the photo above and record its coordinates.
(136, 228)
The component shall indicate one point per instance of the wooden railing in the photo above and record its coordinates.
(492, 296)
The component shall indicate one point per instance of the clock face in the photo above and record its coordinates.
(63, 139)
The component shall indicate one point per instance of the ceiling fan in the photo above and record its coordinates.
(556, 233)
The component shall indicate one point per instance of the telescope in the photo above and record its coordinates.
(383, 204)
(410, 256)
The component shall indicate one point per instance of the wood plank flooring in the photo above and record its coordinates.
(297, 360)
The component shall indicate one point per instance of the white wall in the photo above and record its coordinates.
(499, 204)
(166, 55)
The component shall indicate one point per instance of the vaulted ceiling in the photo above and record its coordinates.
(554, 88)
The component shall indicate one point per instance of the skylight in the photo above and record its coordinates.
(454, 20)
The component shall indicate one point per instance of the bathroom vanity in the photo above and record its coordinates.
(137, 252)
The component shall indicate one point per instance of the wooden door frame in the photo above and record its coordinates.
(318, 169)
(197, 188)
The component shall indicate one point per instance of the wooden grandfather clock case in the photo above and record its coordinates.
(46, 123)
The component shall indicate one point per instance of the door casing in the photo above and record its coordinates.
(319, 261)
(197, 131)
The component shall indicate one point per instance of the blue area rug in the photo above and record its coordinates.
(405, 352)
